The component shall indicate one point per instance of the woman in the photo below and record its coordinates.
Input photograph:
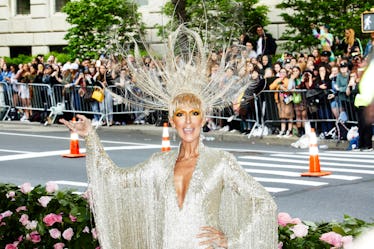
(106, 106)
(285, 108)
(295, 83)
(349, 42)
(193, 197)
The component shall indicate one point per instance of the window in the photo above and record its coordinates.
(23, 7)
(59, 4)
(15, 51)
(57, 48)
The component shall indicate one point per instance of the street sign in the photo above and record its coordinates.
(367, 22)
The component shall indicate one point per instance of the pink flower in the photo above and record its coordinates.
(51, 219)
(34, 236)
(86, 229)
(21, 208)
(299, 231)
(31, 225)
(68, 234)
(72, 218)
(6, 214)
(332, 238)
(26, 187)
(44, 200)
(347, 241)
(10, 194)
(58, 246)
(55, 233)
(284, 219)
(11, 246)
(51, 187)
(280, 245)
(24, 219)
(94, 233)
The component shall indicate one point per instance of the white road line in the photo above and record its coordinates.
(275, 190)
(327, 158)
(347, 154)
(16, 151)
(306, 161)
(290, 181)
(272, 165)
(71, 183)
(297, 174)
(60, 152)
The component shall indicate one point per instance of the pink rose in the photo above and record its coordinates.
(55, 233)
(10, 194)
(44, 200)
(26, 187)
(284, 219)
(34, 236)
(332, 238)
(32, 225)
(347, 241)
(6, 214)
(86, 229)
(299, 231)
(51, 187)
(24, 219)
(68, 234)
(11, 246)
(58, 246)
(280, 245)
(51, 219)
(72, 218)
(94, 233)
(21, 208)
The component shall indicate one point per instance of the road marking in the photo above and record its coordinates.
(290, 181)
(327, 158)
(306, 161)
(297, 174)
(61, 152)
(16, 151)
(71, 183)
(272, 165)
(275, 190)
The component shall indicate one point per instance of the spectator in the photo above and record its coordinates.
(250, 51)
(285, 107)
(348, 42)
(299, 106)
(106, 106)
(369, 45)
(266, 44)
(326, 39)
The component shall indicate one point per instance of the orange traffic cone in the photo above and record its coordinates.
(74, 145)
(165, 138)
(314, 166)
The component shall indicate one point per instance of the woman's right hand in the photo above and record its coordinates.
(82, 126)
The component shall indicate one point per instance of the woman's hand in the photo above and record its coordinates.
(82, 126)
(213, 238)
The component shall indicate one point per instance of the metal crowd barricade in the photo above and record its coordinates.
(71, 100)
(270, 115)
(5, 100)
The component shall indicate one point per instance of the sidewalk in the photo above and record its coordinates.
(155, 130)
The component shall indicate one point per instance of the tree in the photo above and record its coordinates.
(338, 14)
(97, 25)
(217, 20)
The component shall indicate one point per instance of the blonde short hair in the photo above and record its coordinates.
(185, 99)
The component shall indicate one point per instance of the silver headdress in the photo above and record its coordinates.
(184, 70)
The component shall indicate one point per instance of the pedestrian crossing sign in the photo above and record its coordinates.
(367, 22)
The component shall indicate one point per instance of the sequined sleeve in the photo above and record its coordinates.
(247, 209)
(119, 197)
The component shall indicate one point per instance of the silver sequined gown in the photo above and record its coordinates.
(136, 208)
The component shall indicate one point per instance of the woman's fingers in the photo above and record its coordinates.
(214, 238)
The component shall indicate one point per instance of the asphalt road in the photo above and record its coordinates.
(30, 153)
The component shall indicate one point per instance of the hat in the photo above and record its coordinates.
(66, 66)
(326, 53)
(344, 64)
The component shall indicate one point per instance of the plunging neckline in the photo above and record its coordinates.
(176, 198)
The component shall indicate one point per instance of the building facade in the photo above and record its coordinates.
(38, 26)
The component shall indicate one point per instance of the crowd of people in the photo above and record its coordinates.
(330, 73)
